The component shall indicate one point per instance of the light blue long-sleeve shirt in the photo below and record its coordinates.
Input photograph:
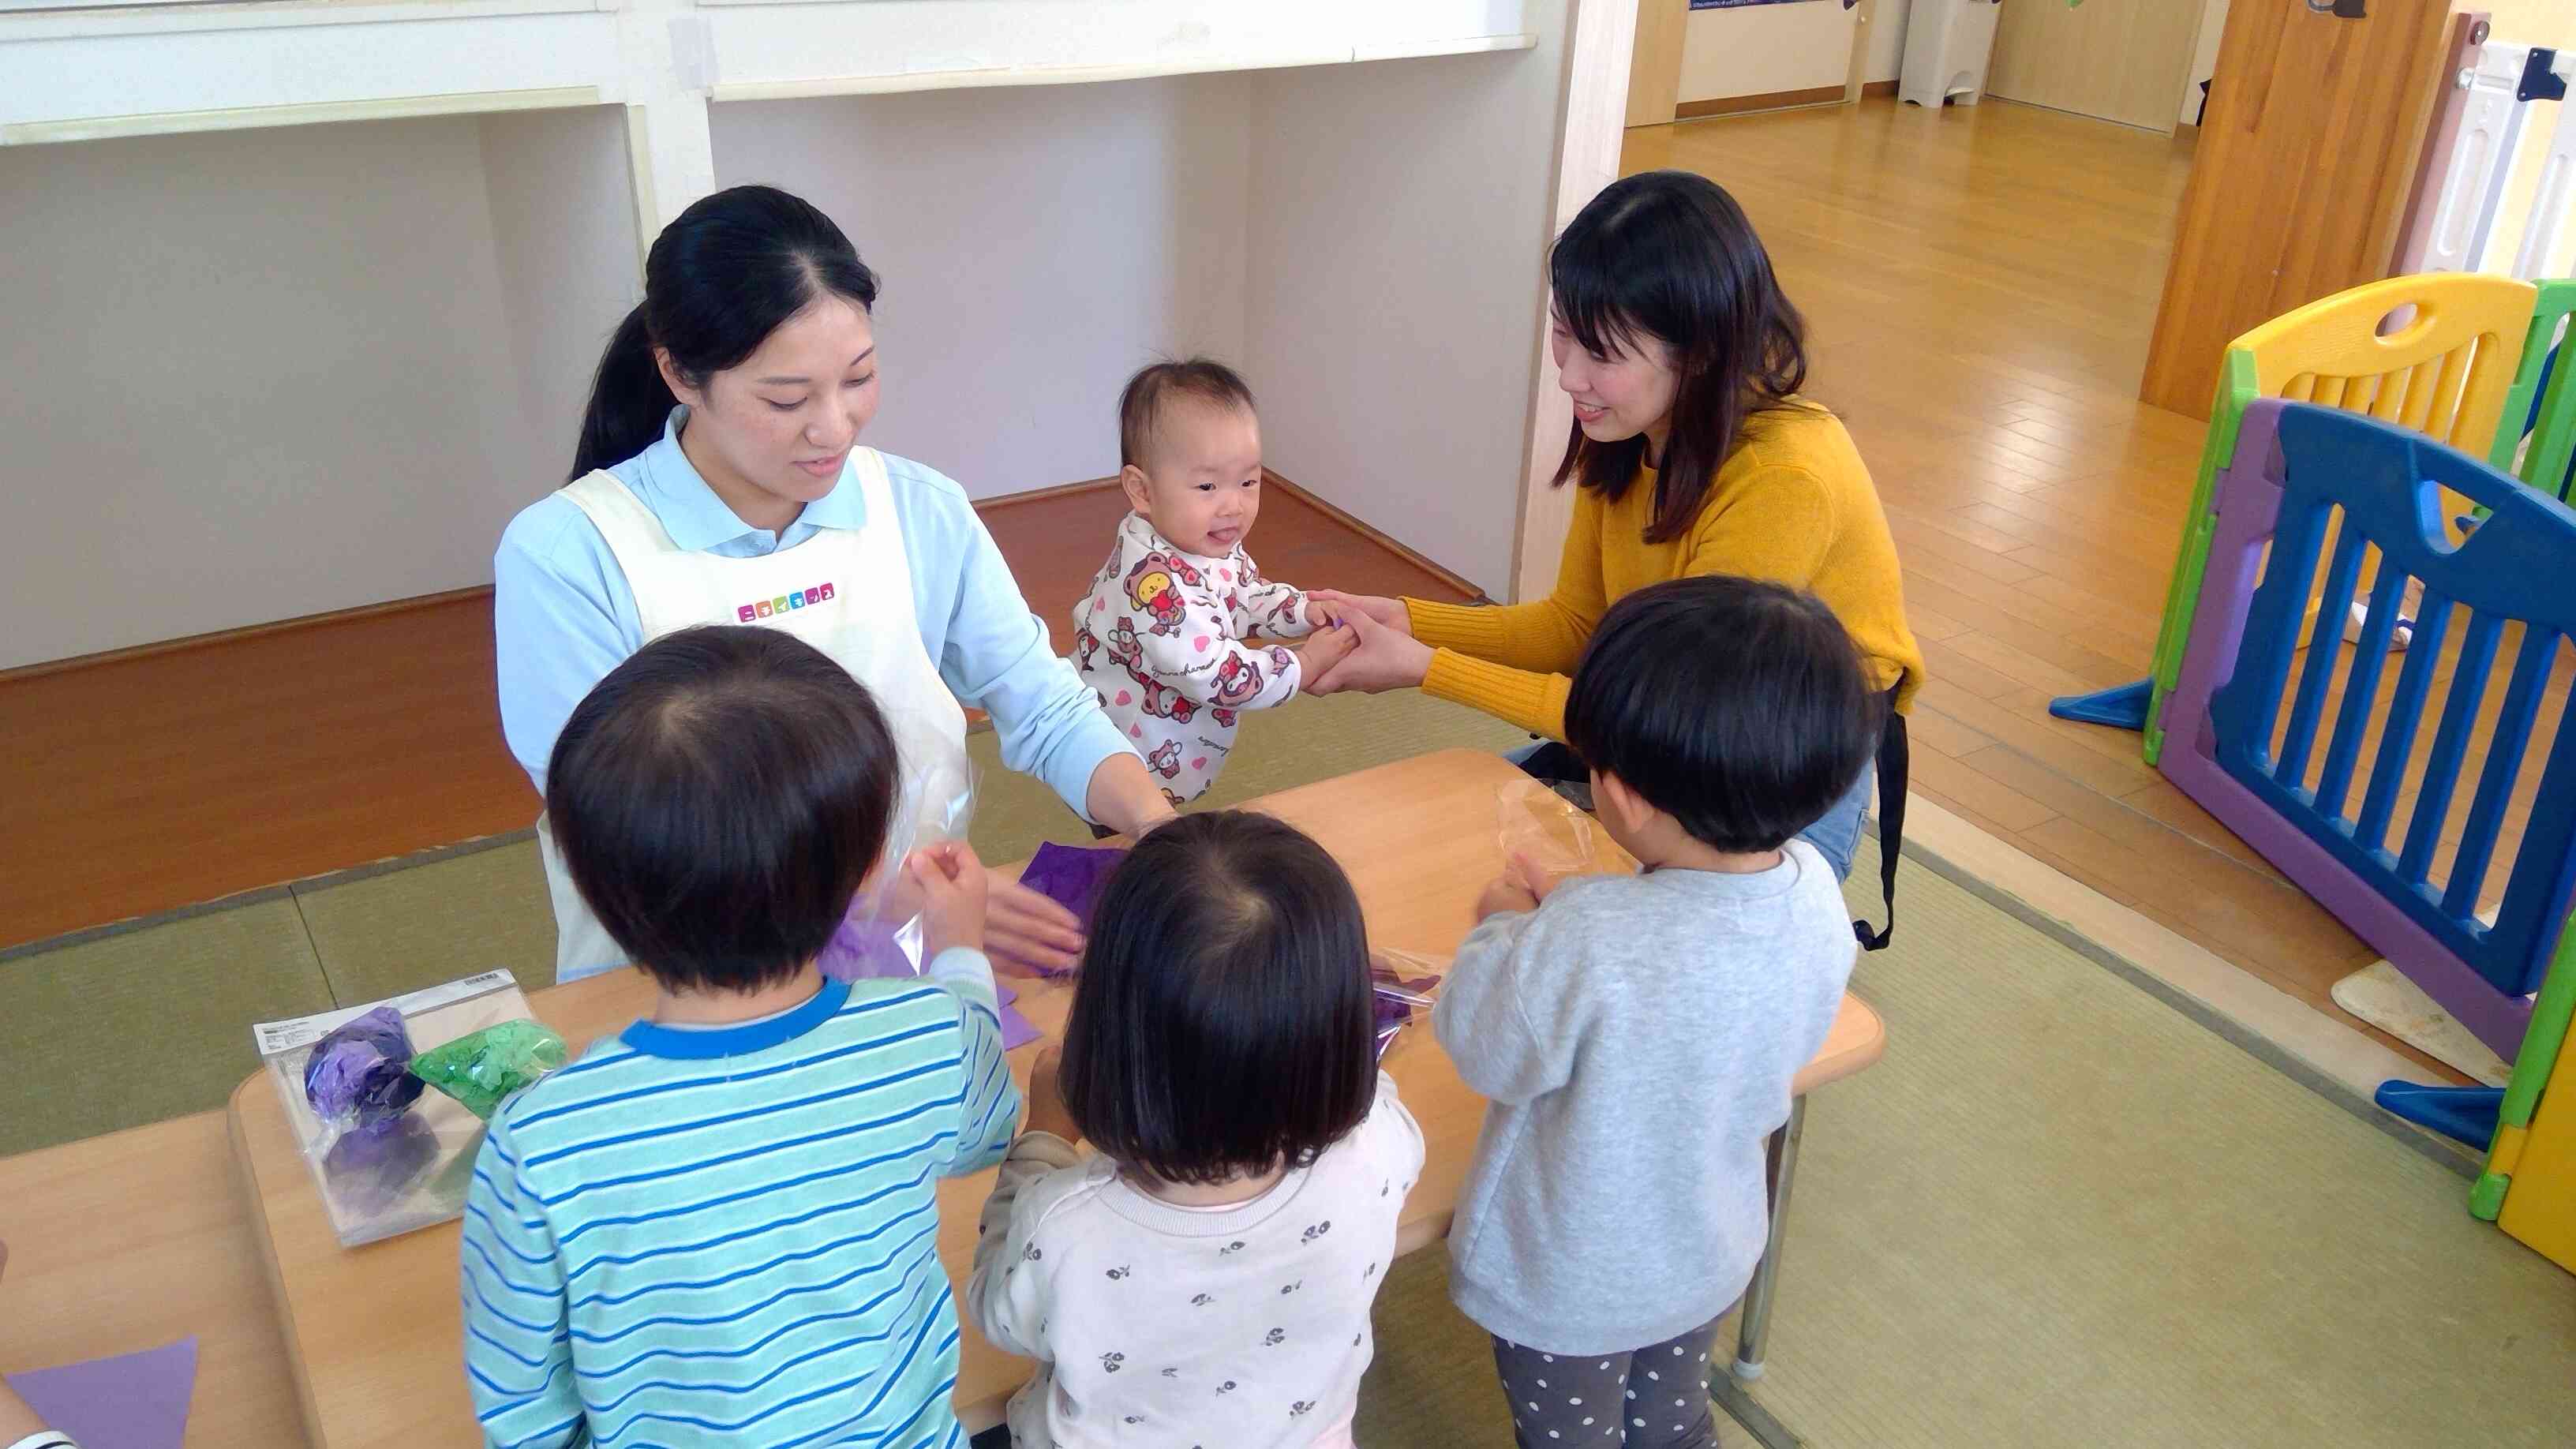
(564, 615)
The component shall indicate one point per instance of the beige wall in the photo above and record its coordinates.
(1764, 49)
(1036, 245)
(254, 375)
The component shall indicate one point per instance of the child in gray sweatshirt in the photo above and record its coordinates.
(1636, 1035)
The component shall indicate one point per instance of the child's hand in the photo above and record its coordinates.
(1505, 893)
(1046, 1099)
(1322, 613)
(1322, 650)
(1529, 875)
(953, 887)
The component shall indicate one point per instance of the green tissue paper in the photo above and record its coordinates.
(481, 1069)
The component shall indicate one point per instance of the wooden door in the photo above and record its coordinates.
(2304, 162)
(1655, 67)
(2120, 60)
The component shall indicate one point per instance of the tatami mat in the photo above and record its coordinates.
(1306, 740)
(146, 1024)
(384, 934)
(2060, 1212)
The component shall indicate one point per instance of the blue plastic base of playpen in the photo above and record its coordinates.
(2122, 708)
(2467, 1113)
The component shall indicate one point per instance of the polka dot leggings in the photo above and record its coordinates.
(1652, 1396)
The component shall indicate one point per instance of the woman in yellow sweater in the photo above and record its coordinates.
(1694, 455)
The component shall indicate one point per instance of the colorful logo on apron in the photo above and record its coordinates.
(801, 599)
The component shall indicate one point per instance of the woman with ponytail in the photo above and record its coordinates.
(719, 480)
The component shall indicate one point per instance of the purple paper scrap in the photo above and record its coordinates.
(863, 949)
(1017, 1031)
(131, 1401)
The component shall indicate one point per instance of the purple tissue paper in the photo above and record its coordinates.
(862, 949)
(371, 1168)
(1073, 877)
(131, 1401)
(1395, 999)
(359, 1075)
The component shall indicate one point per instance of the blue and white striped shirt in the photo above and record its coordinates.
(732, 1232)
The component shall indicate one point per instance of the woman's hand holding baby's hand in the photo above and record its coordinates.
(1389, 612)
(1382, 657)
(1322, 650)
(1047, 1112)
(953, 888)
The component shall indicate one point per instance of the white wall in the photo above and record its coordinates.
(1399, 216)
(2204, 57)
(1887, 44)
(563, 222)
(251, 375)
(1036, 246)
(1759, 50)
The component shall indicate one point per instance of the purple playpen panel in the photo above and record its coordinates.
(2248, 499)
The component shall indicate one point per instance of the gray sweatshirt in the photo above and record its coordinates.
(1635, 1037)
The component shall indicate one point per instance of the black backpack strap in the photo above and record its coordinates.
(1892, 757)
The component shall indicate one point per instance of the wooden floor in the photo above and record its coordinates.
(146, 783)
(1979, 285)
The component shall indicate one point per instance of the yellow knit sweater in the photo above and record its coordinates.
(1792, 503)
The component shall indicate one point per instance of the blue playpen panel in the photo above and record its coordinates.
(2354, 491)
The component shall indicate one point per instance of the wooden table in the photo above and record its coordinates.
(131, 1240)
(373, 1332)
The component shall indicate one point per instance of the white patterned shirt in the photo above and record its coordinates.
(1158, 1325)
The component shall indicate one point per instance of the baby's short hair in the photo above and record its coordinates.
(1148, 393)
(718, 799)
(1738, 707)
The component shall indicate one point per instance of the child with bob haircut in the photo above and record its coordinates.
(1205, 1276)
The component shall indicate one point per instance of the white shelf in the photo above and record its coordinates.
(163, 69)
(898, 82)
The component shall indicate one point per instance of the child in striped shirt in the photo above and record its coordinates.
(718, 1225)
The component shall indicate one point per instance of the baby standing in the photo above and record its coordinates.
(1164, 635)
(1636, 1036)
(1205, 1277)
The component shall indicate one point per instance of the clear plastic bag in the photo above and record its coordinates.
(410, 1170)
(882, 934)
(1545, 826)
(1404, 986)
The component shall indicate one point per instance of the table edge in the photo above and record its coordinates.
(246, 1180)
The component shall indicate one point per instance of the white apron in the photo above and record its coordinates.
(847, 592)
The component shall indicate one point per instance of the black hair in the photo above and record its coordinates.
(718, 799)
(717, 282)
(1141, 403)
(1737, 707)
(1222, 1024)
(1669, 255)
